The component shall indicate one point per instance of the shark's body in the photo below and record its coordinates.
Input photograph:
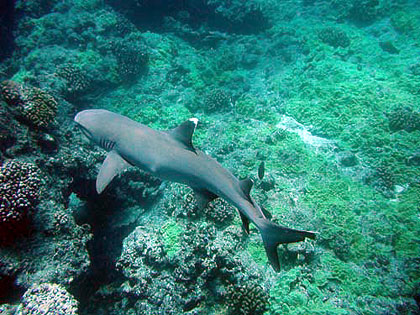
(170, 155)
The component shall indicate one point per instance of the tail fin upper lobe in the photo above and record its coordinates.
(274, 234)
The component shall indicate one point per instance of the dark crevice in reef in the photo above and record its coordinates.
(9, 292)
(150, 15)
(106, 244)
(7, 23)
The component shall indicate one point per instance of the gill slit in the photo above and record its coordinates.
(106, 144)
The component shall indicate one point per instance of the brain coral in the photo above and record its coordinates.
(19, 191)
(48, 298)
(247, 299)
(35, 106)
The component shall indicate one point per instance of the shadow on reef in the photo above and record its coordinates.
(102, 248)
(232, 17)
(9, 292)
(7, 22)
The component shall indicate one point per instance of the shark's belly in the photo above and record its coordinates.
(199, 172)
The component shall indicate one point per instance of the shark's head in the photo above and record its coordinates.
(93, 123)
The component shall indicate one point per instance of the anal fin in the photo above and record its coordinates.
(113, 165)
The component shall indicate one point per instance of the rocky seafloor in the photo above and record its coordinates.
(325, 93)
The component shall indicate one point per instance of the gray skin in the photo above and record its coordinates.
(170, 155)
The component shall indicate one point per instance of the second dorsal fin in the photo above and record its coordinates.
(184, 132)
(246, 186)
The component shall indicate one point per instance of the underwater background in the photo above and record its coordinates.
(325, 93)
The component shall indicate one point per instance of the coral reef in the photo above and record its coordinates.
(359, 11)
(217, 100)
(334, 37)
(173, 268)
(364, 10)
(238, 16)
(20, 183)
(78, 82)
(220, 212)
(404, 118)
(132, 58)
(35, 106)
(48, 298)
(233, 16)
(326, 93)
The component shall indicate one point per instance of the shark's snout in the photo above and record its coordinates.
(77, 118)
(81, 123)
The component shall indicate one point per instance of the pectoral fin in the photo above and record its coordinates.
(113, 165)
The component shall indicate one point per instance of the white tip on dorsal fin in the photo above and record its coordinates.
(113, 165)
(184, 132)
(194, 120)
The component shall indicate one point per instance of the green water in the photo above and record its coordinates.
(326, 93)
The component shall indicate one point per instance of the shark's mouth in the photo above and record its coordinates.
(85, 131)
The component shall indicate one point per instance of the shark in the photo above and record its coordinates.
(171, 155)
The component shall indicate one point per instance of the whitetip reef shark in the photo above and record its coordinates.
(170, 155)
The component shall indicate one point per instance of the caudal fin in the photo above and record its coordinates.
(274, 234)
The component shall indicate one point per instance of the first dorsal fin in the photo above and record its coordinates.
(184, 132)
(246, 186)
